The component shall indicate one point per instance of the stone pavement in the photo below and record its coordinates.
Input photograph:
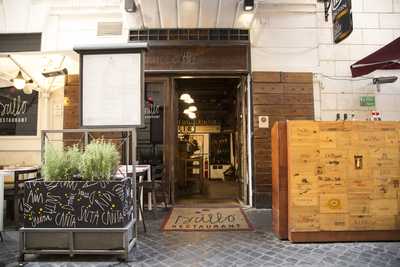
(258, 248)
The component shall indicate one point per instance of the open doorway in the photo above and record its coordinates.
(210, 162)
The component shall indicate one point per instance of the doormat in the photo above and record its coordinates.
(206, 219)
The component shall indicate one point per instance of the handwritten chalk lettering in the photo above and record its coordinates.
(34, 197)
(50, 205)
(27, 207)
(119, 190)
(83, 194)
(112, 217)
(88, 216)
(89, 184)
(69, 185)
(50, 186)
(40, 219)
(65, 220)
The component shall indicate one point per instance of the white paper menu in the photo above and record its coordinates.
(112, 90)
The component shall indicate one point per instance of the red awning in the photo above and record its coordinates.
(386, 58)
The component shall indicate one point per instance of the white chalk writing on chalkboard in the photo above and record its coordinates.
(65, 220)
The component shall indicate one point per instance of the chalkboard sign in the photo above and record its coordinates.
(342, 19)
(78, 204)
(18, 112)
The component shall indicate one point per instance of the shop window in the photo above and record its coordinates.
(150, 138)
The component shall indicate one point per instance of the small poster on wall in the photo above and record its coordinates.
(18, 112)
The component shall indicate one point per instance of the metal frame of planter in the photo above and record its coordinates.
(72, 241)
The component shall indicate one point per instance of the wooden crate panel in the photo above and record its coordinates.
(304, 190)
(333, 203)
(360, 223)
(334, 222)
(304, 220)
(384, 207)
(359, 204)
(385, 222)
(303, 133)
(385, 187)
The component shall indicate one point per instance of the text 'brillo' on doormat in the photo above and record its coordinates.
(206, 219)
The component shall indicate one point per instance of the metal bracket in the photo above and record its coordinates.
(327, 6)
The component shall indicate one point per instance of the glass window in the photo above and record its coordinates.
(150, 138)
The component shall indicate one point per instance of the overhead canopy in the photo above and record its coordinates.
(386, 58)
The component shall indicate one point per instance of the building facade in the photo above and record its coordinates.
(291, 52)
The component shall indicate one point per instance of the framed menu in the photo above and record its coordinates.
(112, 86)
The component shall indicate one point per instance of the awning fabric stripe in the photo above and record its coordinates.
(386, 58)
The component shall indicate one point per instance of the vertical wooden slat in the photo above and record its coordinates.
(281, 96)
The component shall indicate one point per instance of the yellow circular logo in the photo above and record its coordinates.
(334, 203)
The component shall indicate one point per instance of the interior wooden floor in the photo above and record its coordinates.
(216, 192)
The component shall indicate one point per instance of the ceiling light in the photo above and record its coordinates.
(189, 101)
(192, 108)
(185, 97)
(187, 111)
(19, 81)
(248, 5)
(192, 115)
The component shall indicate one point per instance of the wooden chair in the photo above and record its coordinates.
(15, 191)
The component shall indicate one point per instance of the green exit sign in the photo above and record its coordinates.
(367, 101)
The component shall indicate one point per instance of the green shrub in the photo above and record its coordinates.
(61, 165)
(99, 161)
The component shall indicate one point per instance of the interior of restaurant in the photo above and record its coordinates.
(208, 161)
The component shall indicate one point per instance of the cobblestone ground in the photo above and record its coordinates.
(258, 248)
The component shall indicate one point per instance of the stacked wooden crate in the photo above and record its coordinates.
(343, 181)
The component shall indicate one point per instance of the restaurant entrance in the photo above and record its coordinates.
(211, 140)
(196, 127)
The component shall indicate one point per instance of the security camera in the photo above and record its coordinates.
(54, 73)
(381, 80)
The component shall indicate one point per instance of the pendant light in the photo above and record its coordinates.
(19, 81)
(185, 97)
(192, 115)
(189, 101)
(192, 108)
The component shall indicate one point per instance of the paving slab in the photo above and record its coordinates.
(255, 248)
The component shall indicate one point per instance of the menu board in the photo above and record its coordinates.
(112, 85)
(18, 112)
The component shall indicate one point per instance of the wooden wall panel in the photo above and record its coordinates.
(281, 96)
(343, 178)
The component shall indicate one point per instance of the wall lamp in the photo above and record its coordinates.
(248, 5)
(381, 80)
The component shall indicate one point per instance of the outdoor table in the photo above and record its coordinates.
(140, 171)
(8, 171)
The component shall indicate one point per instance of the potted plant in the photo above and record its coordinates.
(79, 190)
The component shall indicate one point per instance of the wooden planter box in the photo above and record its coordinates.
(78, 217)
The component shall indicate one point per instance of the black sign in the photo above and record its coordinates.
(18, 112)
(342, 18)
(78, 204)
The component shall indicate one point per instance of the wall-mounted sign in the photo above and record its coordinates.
(112, 82)
(367, 101)
(18, 112)
(342, 19)
(263, 122)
